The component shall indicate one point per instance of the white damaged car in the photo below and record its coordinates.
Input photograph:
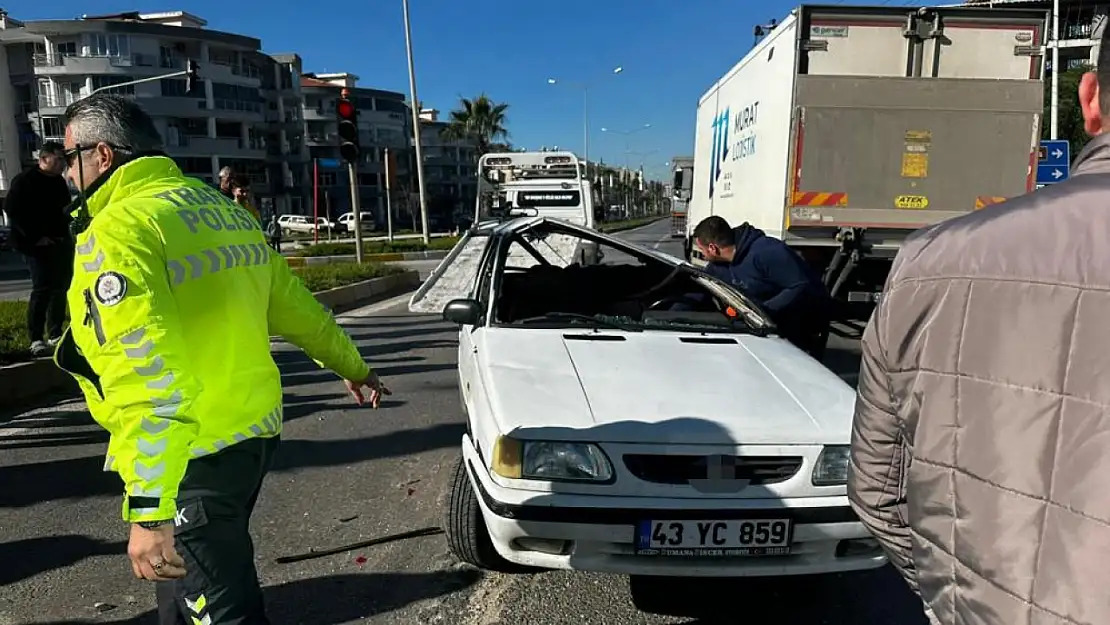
(635, 417)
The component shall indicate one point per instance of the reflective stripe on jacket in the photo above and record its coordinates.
(174, 297)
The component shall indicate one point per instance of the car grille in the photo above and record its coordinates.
(667, 469)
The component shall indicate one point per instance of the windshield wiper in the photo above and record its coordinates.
(590, 319)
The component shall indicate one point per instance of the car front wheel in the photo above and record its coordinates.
(465, 529)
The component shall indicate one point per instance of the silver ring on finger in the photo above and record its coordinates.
(158, 566)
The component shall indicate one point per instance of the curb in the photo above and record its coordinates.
(25, 381)
(301, 261)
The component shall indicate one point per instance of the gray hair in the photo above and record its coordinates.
(112, 119)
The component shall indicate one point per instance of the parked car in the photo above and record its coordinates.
(636, 417)
(346, 221)
(304, 224)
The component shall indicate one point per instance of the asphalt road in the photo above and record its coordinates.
(346, 475)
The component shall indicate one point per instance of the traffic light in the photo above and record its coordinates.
(348, 130)
(192, 78)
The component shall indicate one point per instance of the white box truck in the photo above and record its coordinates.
(847, 128)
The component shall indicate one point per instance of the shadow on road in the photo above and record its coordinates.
(26, 558)
(71, 478)
(323, 375)
(337, 599)
(297, 454)
(53, 439)
(844, 362)
(828, 599)
(297, 411)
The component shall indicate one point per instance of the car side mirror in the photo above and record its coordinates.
(464, 312)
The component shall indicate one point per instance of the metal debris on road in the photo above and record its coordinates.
(427, 531)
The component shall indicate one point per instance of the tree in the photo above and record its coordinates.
(1071, 116)
(480, 120)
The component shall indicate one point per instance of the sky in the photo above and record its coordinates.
(671, 52)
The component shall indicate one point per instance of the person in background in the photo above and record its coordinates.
(37, 206)
(225, 177)
(772, 274)
(240, 187)
(273, 230)
(193, 431)
(980, 458)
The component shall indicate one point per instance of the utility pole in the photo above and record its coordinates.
(388, 193)
(1054, 108)
(416, 129)
(356, 208)
(350, 150)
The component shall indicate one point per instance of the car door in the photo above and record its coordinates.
(471, 382)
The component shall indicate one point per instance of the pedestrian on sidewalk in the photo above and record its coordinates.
(980, 458)
(273, 230)
(37, 205)
(173, 357)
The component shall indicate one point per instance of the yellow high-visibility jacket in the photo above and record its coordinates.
(174, 297)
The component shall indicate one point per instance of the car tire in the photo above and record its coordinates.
(465, 529)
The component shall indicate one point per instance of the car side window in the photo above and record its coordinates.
(485, 279)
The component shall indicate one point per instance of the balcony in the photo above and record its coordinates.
(229, 147)
(317, 114)
(327, 139)
(232, 75)
(47, 65)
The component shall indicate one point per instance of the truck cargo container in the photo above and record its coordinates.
(845, 129)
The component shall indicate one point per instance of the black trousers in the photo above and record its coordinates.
(51, 271)
(214, 504)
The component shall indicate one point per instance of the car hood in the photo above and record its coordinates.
(661, 387)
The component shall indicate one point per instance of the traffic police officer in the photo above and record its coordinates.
(174, 299)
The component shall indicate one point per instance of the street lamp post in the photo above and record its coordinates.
(585, 87)
(416, 129)
(627, 134)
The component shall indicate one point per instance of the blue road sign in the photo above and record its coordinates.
(1053, 162)
(328, 163)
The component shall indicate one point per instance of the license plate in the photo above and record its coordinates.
(762, 537)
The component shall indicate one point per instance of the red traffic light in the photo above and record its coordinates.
(345, 108)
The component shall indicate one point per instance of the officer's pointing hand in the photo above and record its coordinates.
(377, 389)
(152, 554)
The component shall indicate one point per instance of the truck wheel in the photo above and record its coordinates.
(465, 529)
(688, 249)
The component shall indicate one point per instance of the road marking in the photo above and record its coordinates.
(660, 241)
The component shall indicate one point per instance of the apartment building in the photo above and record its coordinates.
(245, 114)
(450, 172)
(10, 162)
(1081, 24)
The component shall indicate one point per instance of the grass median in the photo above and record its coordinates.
(378, 247)
(14, 346)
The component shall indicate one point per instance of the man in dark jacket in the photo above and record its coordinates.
(36, 207)
(772, 274)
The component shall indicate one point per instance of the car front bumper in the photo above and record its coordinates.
(596, 533)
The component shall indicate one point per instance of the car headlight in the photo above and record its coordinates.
(832, 466)
(550, 460)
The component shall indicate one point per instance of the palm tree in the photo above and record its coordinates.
(480, 120)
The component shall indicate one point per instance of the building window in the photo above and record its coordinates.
(53, 128)
(175, 88)
(391, 106)
(66, 48)
(106, 82)
(116, 46)
(328, 179)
